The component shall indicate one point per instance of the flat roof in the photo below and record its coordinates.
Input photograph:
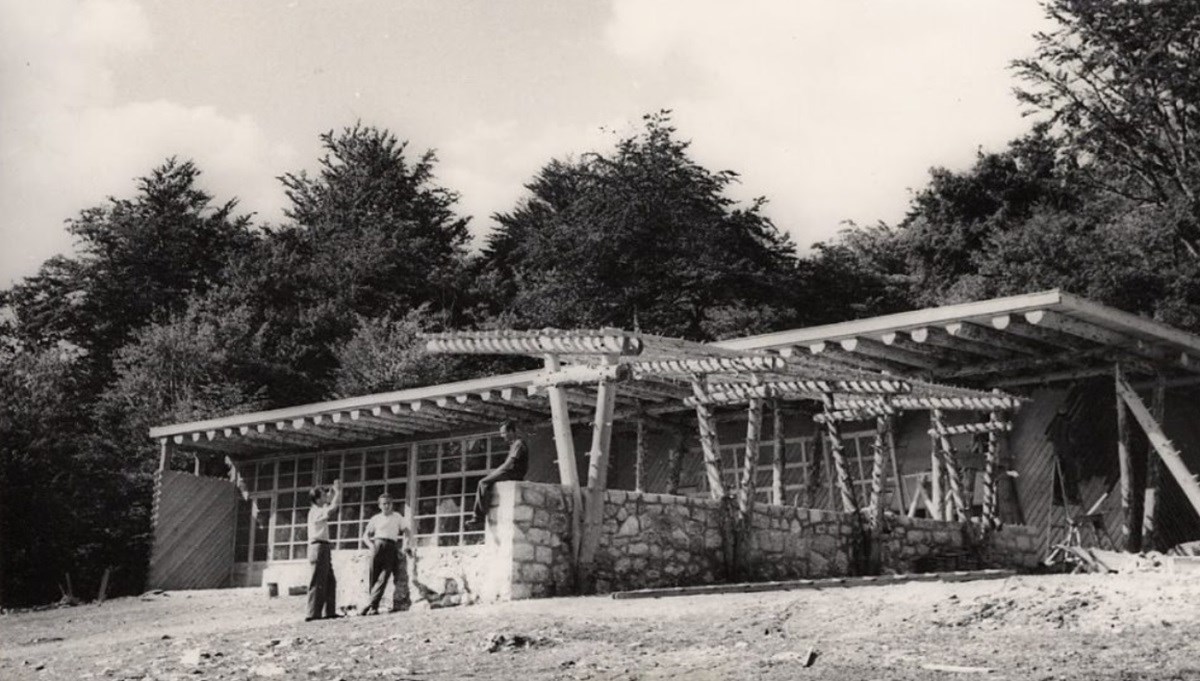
(1001, 343)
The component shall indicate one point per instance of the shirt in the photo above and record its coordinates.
(516, 465)
(384, 526)
(318, 523)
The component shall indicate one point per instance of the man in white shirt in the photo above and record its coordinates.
(384, 531)
(322, 588)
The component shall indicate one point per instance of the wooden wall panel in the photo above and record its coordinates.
(193, 532)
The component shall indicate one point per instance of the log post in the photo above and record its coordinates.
(606, 400)
(901, 494)
(936, 499)
(845, 483)
(706, 427)
(778, 455)
(196, 465)
(675, 463)
(877, 447)
(1158, 409)
(957, 506)
(754, 410)
(164, 454)
(1172, 459)
(639, 471)
(1131, 525)
(991, 461)
(564, 446)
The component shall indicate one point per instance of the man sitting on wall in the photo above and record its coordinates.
(322, 588)
(513, 468)
(384, 531)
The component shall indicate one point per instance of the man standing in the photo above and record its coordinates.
(383, 532)
(322, 588)
(513, 468)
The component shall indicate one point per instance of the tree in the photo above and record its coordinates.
(1121, 81)
(382, 235)
(138, 261)
(642, 237)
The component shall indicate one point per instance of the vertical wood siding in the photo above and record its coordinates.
(193, 532)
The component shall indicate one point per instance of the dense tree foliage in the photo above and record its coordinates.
(641, 237)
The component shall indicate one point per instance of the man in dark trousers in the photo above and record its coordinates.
(322, 588)
(384, 533)
(513, 468)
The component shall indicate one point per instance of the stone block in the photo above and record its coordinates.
(630, 527)
(543, 554)
(522, 551)
(522, 513)
(519, 591)
(539, 536)
(533, 495)
(534, 573)
(616, 496)
(639, 549)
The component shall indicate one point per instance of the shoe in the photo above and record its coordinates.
(310, 619)
(333, 617)
(368, 611)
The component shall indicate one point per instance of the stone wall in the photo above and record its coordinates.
(659, 540)
(923, 545)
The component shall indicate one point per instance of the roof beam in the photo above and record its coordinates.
(986, 335)
(1017, 326)
(834, 352)
(938, 337)
(878, 350)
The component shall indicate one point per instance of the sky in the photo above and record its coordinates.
(834, 110)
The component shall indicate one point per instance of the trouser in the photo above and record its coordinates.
(387, 560)
(483, 494)
(322, 588)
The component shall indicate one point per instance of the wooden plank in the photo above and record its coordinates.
(193, 534)
(1023, 329)
(1097, 334)
(1131, 517)
(949, 460)
(845, 484)
(1171, 457)
(1021, 364)
(1158, 409)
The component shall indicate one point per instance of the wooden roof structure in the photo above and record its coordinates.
(1003, 343)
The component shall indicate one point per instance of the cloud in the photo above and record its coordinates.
(832, 109)
(67, 142)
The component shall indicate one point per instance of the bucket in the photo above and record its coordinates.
(272, 590)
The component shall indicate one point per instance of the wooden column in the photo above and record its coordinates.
(560, 419)
(897, 476)
(1172, 459)
(639, 470)
(845, 483)
(1131, 518)
(778, 456)
(991, 519)
(593, 507)
(1158, 409)
(958, 509)
(754, 410)
(164, 454)
(877, 466)
(196, 465)
(707, 431)
(564, 447)
(675, 463)
(936, 498)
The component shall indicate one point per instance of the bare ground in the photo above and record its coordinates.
(1141, 626)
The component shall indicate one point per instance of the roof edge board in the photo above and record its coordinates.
(899, 321)
(515, 380)
(1129, 323)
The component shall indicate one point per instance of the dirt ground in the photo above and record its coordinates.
(1141, 626)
